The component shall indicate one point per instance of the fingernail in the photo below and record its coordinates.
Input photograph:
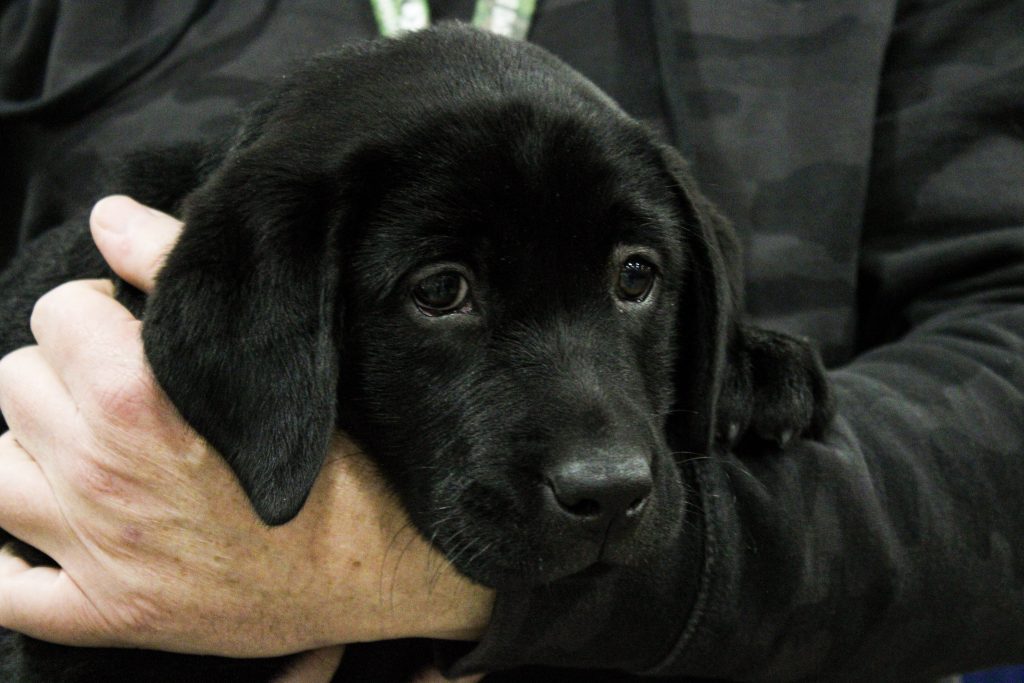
(116, 214)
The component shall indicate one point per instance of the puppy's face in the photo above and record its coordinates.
(459, 251)
(510, 298)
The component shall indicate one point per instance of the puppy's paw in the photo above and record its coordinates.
(774, 391)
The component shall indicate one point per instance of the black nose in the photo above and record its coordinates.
(597, 492)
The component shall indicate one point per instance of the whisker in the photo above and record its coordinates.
(384, 563)
(394, 574)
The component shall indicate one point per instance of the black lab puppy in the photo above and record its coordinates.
(461, 252)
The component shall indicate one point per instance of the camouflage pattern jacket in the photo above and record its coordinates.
(872, 157)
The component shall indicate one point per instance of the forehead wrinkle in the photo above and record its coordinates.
(493, 242)
(654, 234)
(515, 246)
(456, 203)
(387, 256)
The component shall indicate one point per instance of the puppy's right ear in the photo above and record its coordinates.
(710, 298)
(241, 328)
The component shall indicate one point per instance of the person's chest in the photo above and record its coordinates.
(774, 103)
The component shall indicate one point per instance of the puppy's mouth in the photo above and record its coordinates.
(609, 557)
(617, 549)
(544, 571)
(505, 549)
(595, 571)
(572, 563)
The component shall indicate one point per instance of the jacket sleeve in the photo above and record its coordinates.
(893, 550)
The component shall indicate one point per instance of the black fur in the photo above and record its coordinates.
(287, 310)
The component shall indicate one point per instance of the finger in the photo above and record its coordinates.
(33, 398)
(92, 342)
(28, 508)
(43, 602)
(82, 307)
(315, 666)
(10, 564)
(133, 238)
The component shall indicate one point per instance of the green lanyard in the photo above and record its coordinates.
(510, 18)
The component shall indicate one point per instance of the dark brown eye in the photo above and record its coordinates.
(636, 278)
(441, 293)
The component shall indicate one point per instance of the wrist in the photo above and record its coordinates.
(423, 595)
(453, 607)
(383, 578)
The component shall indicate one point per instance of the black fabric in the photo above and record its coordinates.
(871, 156)
(66, 95)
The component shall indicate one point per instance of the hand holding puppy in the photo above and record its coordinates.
(157, 544)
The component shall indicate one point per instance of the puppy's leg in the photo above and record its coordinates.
(774, 391)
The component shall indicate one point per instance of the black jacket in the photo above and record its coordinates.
(872, 158)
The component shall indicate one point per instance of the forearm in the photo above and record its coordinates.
(890, 551)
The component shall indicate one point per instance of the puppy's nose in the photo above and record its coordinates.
(595, 494)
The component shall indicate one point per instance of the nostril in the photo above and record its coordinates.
(589, 507)
(582, 508)
(598, 491)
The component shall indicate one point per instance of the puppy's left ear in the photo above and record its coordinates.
(241, 328)
(710, 298)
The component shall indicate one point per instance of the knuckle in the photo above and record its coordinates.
(124, 396)
(64, 304)
(123, 393)
(50, 305)
(129, 413)
(9, 364)
(12, 382)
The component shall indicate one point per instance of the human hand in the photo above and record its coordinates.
(157, 544)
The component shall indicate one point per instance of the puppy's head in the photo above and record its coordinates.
(509, 294)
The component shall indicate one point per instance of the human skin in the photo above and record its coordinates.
(157, 544)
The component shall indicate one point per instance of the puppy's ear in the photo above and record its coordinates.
(240, 330)
(711, 296)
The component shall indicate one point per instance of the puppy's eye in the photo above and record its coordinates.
(441, 293)
(636, 278)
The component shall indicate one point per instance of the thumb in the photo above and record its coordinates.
(133, 238)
